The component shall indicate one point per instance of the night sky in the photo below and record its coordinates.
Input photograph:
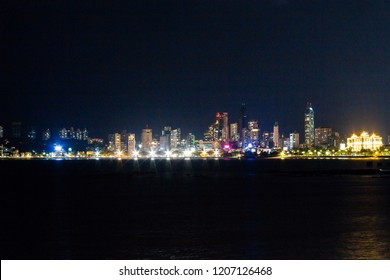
(114, 65)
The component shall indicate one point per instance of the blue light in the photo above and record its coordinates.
(57, 148)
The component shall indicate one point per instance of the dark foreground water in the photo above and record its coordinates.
(195, 209)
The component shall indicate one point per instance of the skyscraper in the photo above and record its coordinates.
(225, 127)
(234, 136)
(117, 142)
(276, 135)
(46, 135)
(242, 122)
(131, 144)
(322, 137)
(175, 138)
(1, 132)
(146, 139)
(294, 140)
(309, 126)
(253, 127)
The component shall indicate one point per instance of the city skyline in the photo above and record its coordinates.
(6, 128)
(114, 66)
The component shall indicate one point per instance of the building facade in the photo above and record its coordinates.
(322, 136)
(364, 142)
(146, 139)
(309, 126)
(294, 140)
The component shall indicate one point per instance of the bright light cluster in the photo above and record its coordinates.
(364, 141)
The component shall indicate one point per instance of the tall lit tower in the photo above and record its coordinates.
(225, 127)
(309, 126)
(276, 135)
(242, 122)
(146, 139)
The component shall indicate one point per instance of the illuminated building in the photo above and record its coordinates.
(334, 140)
(276, 135)
(79, 135)
(242, 122)
(1, 132)
(234, 136)
(294, 140)
(165, 139)
(225, 127)
(253, 127)
(190, 141)
(46, 135)
(117, 143)
(266, 139)
(16, 129)
(364, 141)
(146, 139)
(309, 126)
(175, 138)
(322, 137)
(32, 133)
(388, 139)
(85, 134)
(131, 144)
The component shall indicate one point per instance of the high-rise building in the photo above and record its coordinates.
(322, 136)
(165, 139)
(234, 136)
(225, 127)
(46, 135)
(1, 132)
(32, 133)
(16, 128)
(146, 139)
(309, 126)
(334, 140)
(131, 144)
(294, 140)
(242, 122)
(388, 139)
(276, 135)
(85, 134)
(253, 128)
(117, 143)
(175, 138)
(265, 140)
(190, 141)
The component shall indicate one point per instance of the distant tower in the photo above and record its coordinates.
(225, 127)
(117, 142)
(175, 138)
(242, 122)
(1, 132)
(294, 140)
(131, 144)
(46, 135)
(276, 135)
(254, 132)
(234, 132)
(309, 126)
(146, 138)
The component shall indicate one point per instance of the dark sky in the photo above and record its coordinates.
(114, 65)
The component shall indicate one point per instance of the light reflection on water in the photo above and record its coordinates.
(198, 208)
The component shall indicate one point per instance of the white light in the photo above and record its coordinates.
(187, 153)
(57, 148)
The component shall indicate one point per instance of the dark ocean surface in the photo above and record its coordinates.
(195, 209)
